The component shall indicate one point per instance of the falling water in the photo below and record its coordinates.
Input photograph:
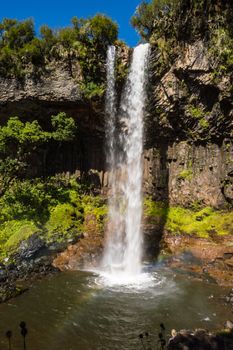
(110, 105)
(122, 256)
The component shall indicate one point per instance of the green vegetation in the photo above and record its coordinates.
(86, 41)
(19, 141)
(154, 209)
(195, 112)
(206, 222)
(180, 19)
(55, 208)
(198, 114)
(204, 124)
(167, 24)
(186, 174)
(17, 231)
(149, 15)
(221, 51)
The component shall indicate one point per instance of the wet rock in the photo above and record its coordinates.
(229, 298)
(199, 340)
(229, 325)
(214, 263)
(86, 252)
(199, 174)
(30, 247)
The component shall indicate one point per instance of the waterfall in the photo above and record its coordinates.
(122, 255)
(110, 106)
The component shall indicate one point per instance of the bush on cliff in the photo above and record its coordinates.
(166, 24)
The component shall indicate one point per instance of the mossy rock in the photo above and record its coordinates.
(205, 222)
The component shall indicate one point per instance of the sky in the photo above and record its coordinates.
(57, 13)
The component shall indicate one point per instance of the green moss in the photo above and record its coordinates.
(204, 123)
(195, 112)
(62, 219)
(154, 209)
(13, 232)
(202, 223)
(55, 208)
(186, 174)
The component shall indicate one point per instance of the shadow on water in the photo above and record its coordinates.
(23, 332)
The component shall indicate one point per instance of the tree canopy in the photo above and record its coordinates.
(85, 40)
(182, 19)
(147, 13)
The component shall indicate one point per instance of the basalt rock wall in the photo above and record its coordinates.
(186, 174)
(188, 132)
(57, 91)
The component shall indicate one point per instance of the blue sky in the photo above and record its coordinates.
(57, 13)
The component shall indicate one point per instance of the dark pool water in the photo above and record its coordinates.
(79, 310)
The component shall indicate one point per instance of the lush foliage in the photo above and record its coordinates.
(149, 15)
(21, 52)
(168, 23)
(20, 140)
(54, 208)
(181, 19)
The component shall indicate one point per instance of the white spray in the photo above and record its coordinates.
(123, 248)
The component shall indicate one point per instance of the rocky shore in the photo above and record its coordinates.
(208, 258)
(201, 340)
(33, 261)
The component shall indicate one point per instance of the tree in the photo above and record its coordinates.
(101, 30)
(64, 127)
(148, 15)
(48, 39)
(16, 34)
(67, 37)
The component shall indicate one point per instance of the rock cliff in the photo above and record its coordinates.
(188, 129)
(56, 91)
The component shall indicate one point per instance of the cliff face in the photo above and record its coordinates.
(56, 91)
(189, 133)
(186, 174)
(188, 128)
